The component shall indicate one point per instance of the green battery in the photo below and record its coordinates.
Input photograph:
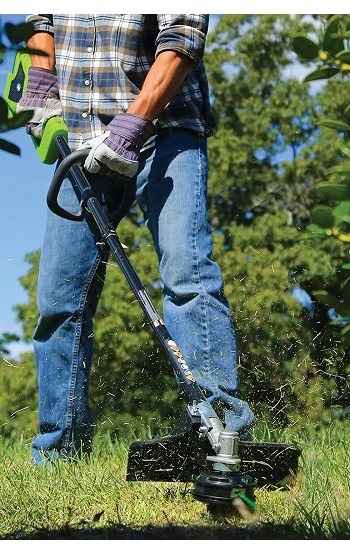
(15, 87)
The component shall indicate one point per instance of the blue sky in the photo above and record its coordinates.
(24, 182)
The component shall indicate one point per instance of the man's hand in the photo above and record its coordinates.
(41, 96)
(117, 149)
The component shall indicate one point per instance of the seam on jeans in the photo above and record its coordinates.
(196, 265)
(67, 437)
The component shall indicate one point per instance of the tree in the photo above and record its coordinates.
(6, 338)
(289, 360)
(331, 55)
(263, 117)
(18, 398)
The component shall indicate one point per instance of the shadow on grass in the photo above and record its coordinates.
(222, 532)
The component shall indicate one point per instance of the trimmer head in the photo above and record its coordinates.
(226, 493)
(185, 456)
(182, 456)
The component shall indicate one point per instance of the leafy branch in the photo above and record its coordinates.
(331, 55)
(12, 38)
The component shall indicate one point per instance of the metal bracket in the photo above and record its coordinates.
(224, 443)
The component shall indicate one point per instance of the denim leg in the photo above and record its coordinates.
(172, 192)
(71, 276)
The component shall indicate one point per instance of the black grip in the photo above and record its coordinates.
(70, 163)
(63, 168)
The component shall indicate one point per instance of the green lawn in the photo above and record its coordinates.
(91, 500)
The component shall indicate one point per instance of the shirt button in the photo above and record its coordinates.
(84, 114)
(89, 49)
(87, 82)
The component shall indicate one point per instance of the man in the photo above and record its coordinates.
(133, 89)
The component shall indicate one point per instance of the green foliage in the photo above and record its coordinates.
(334, 54)
(341, 306)
(18, 397)
(28, 313)
(17, 34)
(263, 115)
(286, 363)
(332, 190)
(305, 47)
(330, 53)
(14, 34)
(334, 124)
(6, 338)
(322, 216)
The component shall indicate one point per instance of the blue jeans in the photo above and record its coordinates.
(171, 191)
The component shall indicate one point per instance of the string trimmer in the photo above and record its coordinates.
(225, 470)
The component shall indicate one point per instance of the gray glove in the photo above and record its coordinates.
(118, 148)
(41, 96)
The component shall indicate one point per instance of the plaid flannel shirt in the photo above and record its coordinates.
(102, 62)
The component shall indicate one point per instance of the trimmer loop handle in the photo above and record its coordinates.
(62, 169)
(70, 163)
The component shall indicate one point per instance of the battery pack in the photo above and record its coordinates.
(15, 87)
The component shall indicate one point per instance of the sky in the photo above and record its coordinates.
(23, 186)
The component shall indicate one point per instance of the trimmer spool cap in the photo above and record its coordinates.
(219, 488)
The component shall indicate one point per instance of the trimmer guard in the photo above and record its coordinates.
(181, 457)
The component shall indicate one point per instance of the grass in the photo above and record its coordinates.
(91, 500)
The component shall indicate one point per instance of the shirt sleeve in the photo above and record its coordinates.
(185, 33)
(41, 22)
